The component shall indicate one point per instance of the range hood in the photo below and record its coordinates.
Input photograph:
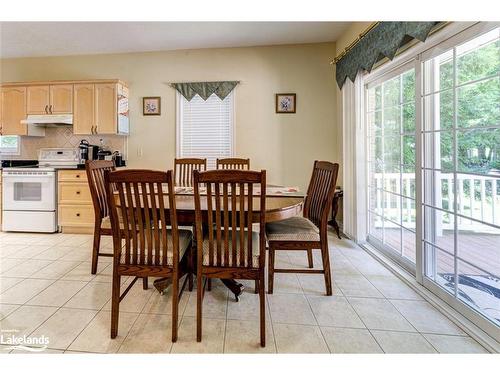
(48, 120)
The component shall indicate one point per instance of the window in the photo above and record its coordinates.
(391, 159)
(9, 144)
(205, 128)
(433, 176)
(461, 171)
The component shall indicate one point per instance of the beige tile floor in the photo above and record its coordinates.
(46, 289)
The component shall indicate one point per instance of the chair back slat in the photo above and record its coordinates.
(183, 170)
(230, 212)
(141, 198)
(320, 193)
(233, 163)
(95, 176)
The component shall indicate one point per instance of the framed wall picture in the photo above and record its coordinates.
(286, 103)
(151, 106)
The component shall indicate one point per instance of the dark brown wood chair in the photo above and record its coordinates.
(310, 231)
(183, 170)
(233, 163)
(95, 176)
(143, 245)
(229, 249)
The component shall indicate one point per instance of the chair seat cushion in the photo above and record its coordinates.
(185, 237)
(292, 229)
(255, 249)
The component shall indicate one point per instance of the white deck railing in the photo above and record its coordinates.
(483, 204)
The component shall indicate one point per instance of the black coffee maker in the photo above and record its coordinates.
(87, 151)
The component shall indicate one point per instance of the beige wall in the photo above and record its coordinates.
(350, 35)
(284, 144)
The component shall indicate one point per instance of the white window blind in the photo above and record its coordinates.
(205, 128)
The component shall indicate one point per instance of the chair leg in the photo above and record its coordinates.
(95, 247)
(256, 286)
(199, 302)
(209, 285)
(262, 300)
(190, 275)
(115, 303)
(310, 258)
(326, 267)
(271, 270)
(145, 283)
(175, 306)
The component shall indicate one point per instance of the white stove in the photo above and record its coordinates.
(29, 199)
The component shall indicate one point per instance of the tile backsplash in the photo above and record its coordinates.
(64, 137)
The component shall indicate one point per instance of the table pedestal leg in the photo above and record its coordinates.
(236, 288)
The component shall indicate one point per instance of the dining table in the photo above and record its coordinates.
(281, 203)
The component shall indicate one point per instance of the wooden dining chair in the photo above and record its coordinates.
(143, 245)
(233, 163)
(310, 231)
(230, 249)
(183, 170)
(102, 225)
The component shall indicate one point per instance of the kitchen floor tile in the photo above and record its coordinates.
(292, 338)
(380, 314)
(350, 340)
(96, 336)
(425, 318)
(290, 308)
(334, 311)
(55, 270)
(57, 294)
(212, 339)
(25, 320)
(6, 309)
(454, 344)
(24, 291)
(93, 296)
(27, 268)
(150, 333)
(62, 335)
(402, 342)
(244, 337)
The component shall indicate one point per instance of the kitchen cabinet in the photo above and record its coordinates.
(49, 99)
(99, 109)
(83, 109)
(97, 106)
(13, 103)
(75, 208)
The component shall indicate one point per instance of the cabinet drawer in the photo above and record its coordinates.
(75, 215)
(73, 192)
(72, 175)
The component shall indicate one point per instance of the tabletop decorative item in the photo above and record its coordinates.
(286, 103)
(151, 106)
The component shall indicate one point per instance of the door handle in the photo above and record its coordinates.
(50, 109)
(77, 193)
(47, 109)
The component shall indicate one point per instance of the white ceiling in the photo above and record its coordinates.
(30, 39)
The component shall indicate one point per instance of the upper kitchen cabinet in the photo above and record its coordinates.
(13, 103)
(49, 99)
(83, 109)
(100, 108)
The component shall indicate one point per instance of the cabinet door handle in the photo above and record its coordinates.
(50, 109)
(77, 193)
(78, 214)
(47, 109)
(77, 176)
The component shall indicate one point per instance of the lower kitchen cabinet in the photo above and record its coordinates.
(75, 209)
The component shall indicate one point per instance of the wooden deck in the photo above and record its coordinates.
(482, 250)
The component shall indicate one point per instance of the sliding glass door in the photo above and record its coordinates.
(461, 171)
(391, 160)
(437, 211)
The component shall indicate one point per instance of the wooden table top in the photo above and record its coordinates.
(279, 206)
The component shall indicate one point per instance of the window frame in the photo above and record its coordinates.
(9, 151)
(178, 123)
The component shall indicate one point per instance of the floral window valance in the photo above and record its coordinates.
(204, 89)
(382, 41)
